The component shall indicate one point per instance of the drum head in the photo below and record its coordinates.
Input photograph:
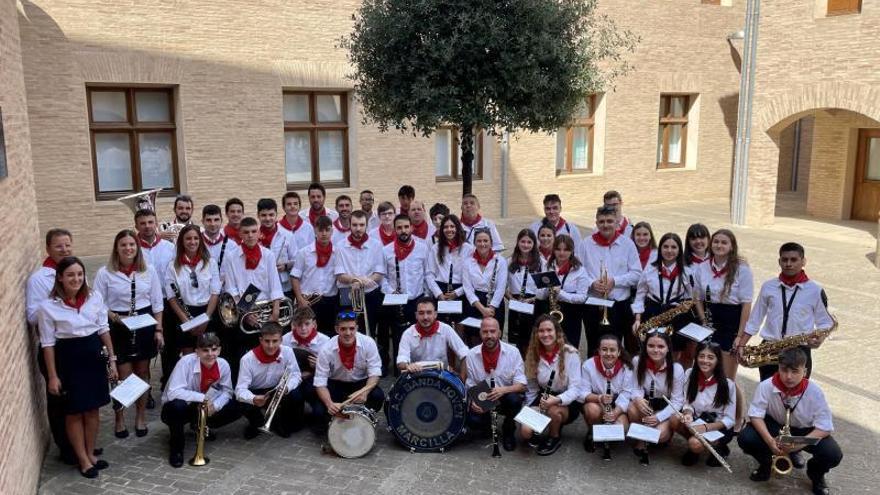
(352, 436)
(426, 411)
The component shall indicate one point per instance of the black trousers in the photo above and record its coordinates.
(325, 314)
(288, 416)
(55, 413)
(309, 396)
(509, 406)
(339, 392)
(769, 370)
(620, 319)
(171, 352)
(178, 413)
(519, 325)
(826, 454)
(395, 319)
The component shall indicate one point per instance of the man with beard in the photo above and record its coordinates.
(428, 340)
(317, 195)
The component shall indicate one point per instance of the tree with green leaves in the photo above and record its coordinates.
(495, 65)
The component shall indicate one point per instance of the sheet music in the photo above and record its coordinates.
(138, 321)
(198, 320)
(472, 322)
(449, 307)
(642, 432)
(521, 307)
(394, 300)
(696, 332)
(608, 433)
(598, 301)
(533, 419)
(709, 435)
(129, 390)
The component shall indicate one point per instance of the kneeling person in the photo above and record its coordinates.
(305, 340)
(428, 340)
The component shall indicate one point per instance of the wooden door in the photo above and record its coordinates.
(866, 187)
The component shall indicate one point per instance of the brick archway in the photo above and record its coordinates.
(777, 112)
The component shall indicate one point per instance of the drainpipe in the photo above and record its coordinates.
(505, 163)
(739, 192)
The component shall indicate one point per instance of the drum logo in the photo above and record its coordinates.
(426, 412)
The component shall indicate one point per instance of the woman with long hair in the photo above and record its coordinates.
(696, 248)
(484, 280)
(546, 236)
(446, 264)
(572, 291)
(643, 237)
(607, 380)
(522, 264)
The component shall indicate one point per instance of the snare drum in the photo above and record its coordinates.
(353, 433)
(427, 411)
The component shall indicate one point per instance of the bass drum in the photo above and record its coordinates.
(427, 410)
(353, 433)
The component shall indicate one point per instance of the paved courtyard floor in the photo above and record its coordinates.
(839, 256)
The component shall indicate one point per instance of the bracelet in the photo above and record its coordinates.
(112, 358)
(159, 330)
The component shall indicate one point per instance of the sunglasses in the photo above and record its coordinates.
(660, 330)
(194, 280)
(347, 315)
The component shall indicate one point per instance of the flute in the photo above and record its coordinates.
(699, 436)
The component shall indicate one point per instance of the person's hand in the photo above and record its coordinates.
(687, 419)
(313, 361)
(609, 416)
(546, 403)
(210, 409)
(251, 320)
(495, 394)
(413, 368)
(360, 398)
(114, 373)
(259, 400)
(815, 341)
(643, 406)
(636, 325)
(477, 409)
(650, 420)
(605, 399)
(54, 386)
(160, 339)
(334, 408)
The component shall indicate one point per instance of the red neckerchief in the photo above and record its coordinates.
(313, 217)
(305, 341)
(472, 221)
(266, 235)
(252, 255)
(799, 278)
(483, 262)
(386, 238)
(323, 254)
(546, 254)
(401, 251)
(293, 228)
(653, 367)
(548, 356)
(644, 255)
(522, 262)
(560, 224)
(420, 230)
(669, 275)
(346, 355)
(790, 392)
(718, 273)
(50, 263)
(77, 302)
(424, 333)
(697, 260)
(208, 240)
(564, 268)
(452, 244)
(148, 245)
(490, 361)
(192, 263)
(704, 383)
(338, 226)
(622, 228)
(608, 374)
(127, 270)
(602, 241)
(232, 233)
(208, 376)
(266, 358)
(358, 244)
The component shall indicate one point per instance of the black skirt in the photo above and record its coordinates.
(187, 339)
(574, 409)
(475, 313)
(144, 340)
(83, 373)
(519, 325)
(725, 319)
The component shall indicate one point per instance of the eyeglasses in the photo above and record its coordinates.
(659, 330)
(347, 315)
(194, 280)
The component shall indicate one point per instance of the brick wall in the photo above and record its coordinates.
(22, 429)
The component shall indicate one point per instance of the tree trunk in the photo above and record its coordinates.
(466, 134)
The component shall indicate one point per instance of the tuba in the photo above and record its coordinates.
(230, 316)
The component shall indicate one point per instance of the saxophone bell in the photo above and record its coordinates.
(781, 464)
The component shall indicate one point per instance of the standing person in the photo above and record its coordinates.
(219, 246)
(472, 222)
(696, 249)
(606, 387)
(484, 279)
(279, 241)
(788, 305)
(342, 224)
(317, 194)
(234, 214)
(422, 226)
(572, 291)
(724, 286)
(129, 286)
(59, 245)
(437, 213)
(313, 277)
(608, 252)
(643, 237)
(656, 376)
(711, 397)
(360, 266)
(546, 235)
(302, 231)
(262, 369)
(305, 338)
(613, 200)
(73, 327)
(499, 364)
(789, 397)
(522, 264)
(384, 231)
(554, 367)
(157, 251)
(405, 196)
(366, 200)
(553, 217)
(200, 378)
(446, 264)
(183, 211)
(429, 340)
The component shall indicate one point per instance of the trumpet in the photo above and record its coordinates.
(603, 274)
(277, 395)
(781, 464)
(230, 315)
(199, 458)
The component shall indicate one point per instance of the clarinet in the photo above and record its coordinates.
(606, 447)
(132, 344)
(400, 316)
(490, 293)
(449, 290)
(180, 301)
(707, 311)
(113, 383)
(522, 290)
(548, 389)
(496, 452)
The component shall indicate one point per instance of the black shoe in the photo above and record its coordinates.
(723, 450)
(690, 458)
(711, 461)
(283, 432)
(606, 453)
(250, 432)
(151, 404)
(211, 436)
(760, 474)
(534, 442)
(819, 486)
(121, 434)
(176, 459)
(642, 454)
(508, 441)
(550, 446)
(797, 460)
(588, 444)
(101, 465)
(141, 432)
(90, 473)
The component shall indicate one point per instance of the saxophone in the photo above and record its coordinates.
(781, 464)
(765, 353)
(553, 301)
(664, 319)
(277, 395)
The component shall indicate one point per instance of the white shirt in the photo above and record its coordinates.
(302, 236)
(621, 261)
(185, 382)
(413, 348)
(673, 292)
(230, 251)
(676, 395)
(515, 280)
(574, 285)
(60, 321)
(807, 311)
(264, 276)
(284, 248)
(39, 285)
(314, 346)
(312, 278)
(255, 375)
(474, 278)
(741, 291)
(361, 262)
(705, 401)
(567, 389)
(484, 223)
(594, 382)
(510, 368)
(372, 221)
(208, 279)
(329, 212)
(452, 261)
(159, 256)
(412, 270)
(115, 288)
(567, 228)
(367, 362)
(811, 412)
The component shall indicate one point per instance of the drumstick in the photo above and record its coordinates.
(353, 396)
